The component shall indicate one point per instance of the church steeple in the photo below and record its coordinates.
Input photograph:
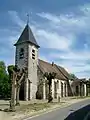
(27, 36)
(27, 56)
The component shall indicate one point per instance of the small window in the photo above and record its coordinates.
(33, 57)
(33, 50)
(21, 54)
(33, 54)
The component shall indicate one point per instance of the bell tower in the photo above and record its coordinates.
(27, 56)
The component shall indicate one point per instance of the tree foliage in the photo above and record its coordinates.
(16, 76)
(72, 76)
(5, 86)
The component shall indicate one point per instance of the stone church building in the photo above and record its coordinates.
(27, 56)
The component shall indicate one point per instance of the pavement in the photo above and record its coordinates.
(76, 111)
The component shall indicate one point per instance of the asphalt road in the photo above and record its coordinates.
(77, 111)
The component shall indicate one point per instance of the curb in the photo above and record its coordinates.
(51, 109)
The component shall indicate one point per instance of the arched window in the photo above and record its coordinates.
(21, 53)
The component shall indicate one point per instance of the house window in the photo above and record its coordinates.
(21, 54)
(33, 54)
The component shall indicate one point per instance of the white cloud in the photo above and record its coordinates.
(75, 62)
(16, 19)
(70, 22)
(79, 68)
(60, 32)
(73, 25)
(84, 55)
(50, 17)
(48, 39)
(43, 36)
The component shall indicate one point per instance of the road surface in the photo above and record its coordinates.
(77, 111)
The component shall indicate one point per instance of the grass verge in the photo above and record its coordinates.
(33, 109)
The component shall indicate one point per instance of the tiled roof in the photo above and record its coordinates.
(77, 82)
(64, 72)
(47, 67)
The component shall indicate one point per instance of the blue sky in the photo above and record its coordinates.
(61, 28)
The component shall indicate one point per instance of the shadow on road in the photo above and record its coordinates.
(79, 114)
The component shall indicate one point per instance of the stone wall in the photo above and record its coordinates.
(32, 69)
(30, 85)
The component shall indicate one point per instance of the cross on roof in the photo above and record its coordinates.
(27, 18)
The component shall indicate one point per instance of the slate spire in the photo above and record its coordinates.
(27, 36)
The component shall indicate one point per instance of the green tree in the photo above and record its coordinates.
(2, 70)
(13, 70)
(73, 77)
(49, 77)
(4, 81)
(16, 76)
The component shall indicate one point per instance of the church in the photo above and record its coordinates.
(35, 85)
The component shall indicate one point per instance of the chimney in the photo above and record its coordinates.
(52, 63)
